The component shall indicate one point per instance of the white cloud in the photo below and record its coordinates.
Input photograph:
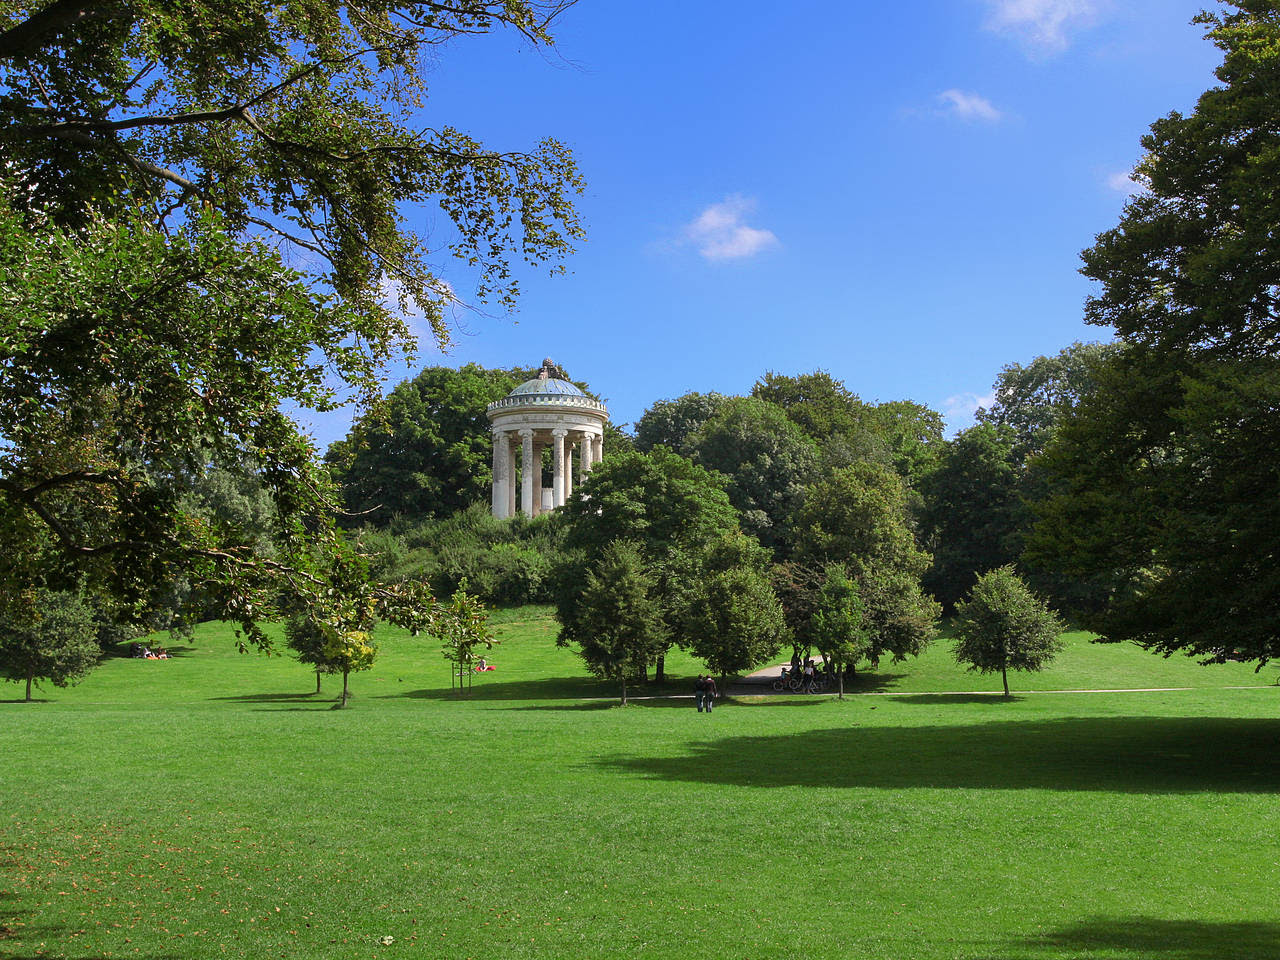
(1123, 182)
(960, 408)
(970, 106)
(720, 231)
(1041, 25)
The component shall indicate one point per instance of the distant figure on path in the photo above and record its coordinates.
(700, 692)
(711, 692)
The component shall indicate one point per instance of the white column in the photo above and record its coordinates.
(584, 457)
(500, 473)
(568, 469)
(536, 472)
(511, 475)
(557, 467)
(528, 470)
(598, 449)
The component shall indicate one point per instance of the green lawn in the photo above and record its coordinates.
(210, 806)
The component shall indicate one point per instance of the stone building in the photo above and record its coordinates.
(542, 412)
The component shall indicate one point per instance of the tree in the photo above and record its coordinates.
(1165, 474)
(463, 633)
(618, 624)
(145, 323)
(839, 628)
(733, 621)
(307, 641)
(427, 451)
(905, 434)
(670, 423)
(858, 517)
(672, 510)
(58, 644)
(348, 651)
(1003, 626)
(973, 516)
(1032, 401)
(767, 460)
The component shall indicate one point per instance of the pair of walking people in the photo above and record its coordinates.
(704, 692)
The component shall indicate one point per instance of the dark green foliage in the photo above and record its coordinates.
(767, 460)
(839, 623)
(427, 451)
(733, 621)
(904, 434)
(145, 331)
(1003, 626)
(57, 643)
(670, 423)
(973, 516)
(617, 622)
(673, 510)
(1032, 401)
(820, 405)
(503, 562)
(858, 517)
(659, 499)
(1165, 477)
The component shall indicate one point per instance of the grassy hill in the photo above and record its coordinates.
(212, 806)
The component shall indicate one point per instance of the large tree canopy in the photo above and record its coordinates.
(1167, 478)
(146, 328)
(427, 451)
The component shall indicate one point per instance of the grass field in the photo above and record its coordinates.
(211, 806)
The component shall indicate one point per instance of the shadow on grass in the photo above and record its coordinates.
(22, 937)
(990, 699)
(1114, 754)
(275, 697)
(551, 688)
(1148, 938)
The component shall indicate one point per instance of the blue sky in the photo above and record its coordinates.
(896, 194)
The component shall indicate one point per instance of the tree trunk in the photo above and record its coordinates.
(1004, 675)
(31, 675)
(344, 687)
(840, 674)
(659, 668)
(317, 679)
(624, 690)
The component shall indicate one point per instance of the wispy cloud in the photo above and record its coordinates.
(969, 106)
(1123, 182)
(720, 231)
(960, 408)
(1042, 26)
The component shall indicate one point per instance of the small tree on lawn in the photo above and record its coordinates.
(619, 627)
(1004, 626)
(734, 621)
(350, 651)
(838, 626)
(58, 642)
(305, 638)
(463, 630)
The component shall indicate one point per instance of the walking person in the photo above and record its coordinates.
(700, 692)
(711, 692)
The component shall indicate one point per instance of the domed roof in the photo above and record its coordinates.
(549, 393)
(548, 385)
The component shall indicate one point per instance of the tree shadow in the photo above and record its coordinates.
(1148, 938)
(989, 699)
(1114, 754)
(548, 688)
(19, 929)
(274, 697)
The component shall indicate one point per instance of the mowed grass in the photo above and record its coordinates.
(212, 806)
